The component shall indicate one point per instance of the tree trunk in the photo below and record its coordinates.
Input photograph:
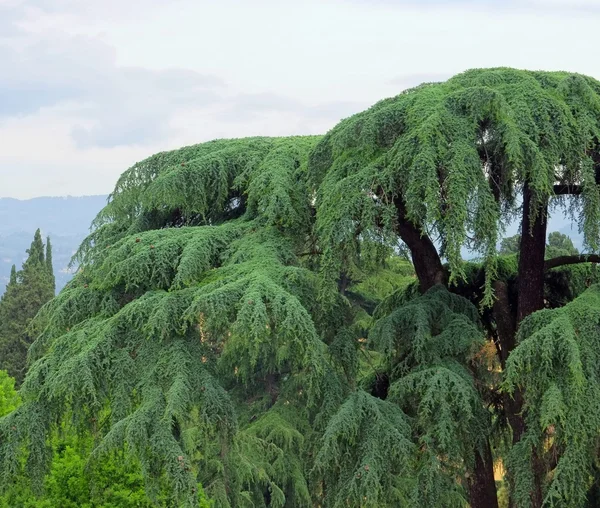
(482, 486)
(530, 300)
(531, 259)
(505, 319)
(425, 258)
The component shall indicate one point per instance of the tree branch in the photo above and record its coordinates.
(561, 190)
(425, 257)
(571, 260)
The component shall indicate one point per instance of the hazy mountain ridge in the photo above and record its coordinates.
(65, 219)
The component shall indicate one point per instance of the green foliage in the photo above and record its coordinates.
(27, 291)
(9, 399)
(243, 319)
(416, 446)
(184, 290)
(430, 343)
(392, 275)
(503, 496)
(367, 455)
(49, 267)
(510, 245)
(556, 366)
(559, 244)
(208, 184)
(264, 466)
(427, 145)
(566, 283)
(72, 482)
(111, 482)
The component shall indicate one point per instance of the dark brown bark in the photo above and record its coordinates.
(343, 282)
(505, 319)
(481, 485)
(272, 387)
(530, 299)
(426, 260)
(539, 471)
(531, 258)
(570, 260)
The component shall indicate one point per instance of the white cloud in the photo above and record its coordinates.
(39, 157)
(87, 88)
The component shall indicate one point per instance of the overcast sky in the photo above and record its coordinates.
(87, 88)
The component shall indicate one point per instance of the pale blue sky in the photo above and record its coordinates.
(89, 87)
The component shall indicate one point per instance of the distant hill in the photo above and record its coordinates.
(65, 219)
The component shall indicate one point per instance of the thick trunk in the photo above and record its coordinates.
(429, 270)
(539, 471)
(426, 260)
(482, 486)
(530, 299)
(531, 259)
(505, 319)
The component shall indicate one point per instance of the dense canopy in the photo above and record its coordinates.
(243, 317)
(454, 157)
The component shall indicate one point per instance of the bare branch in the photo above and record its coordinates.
(561, 190)
(571, 260)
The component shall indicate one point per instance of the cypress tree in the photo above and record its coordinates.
(28, 289)
(35, 251)
(49, 266)
(229, 323)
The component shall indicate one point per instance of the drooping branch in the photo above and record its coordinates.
(426, 260)
(571, 260)
(560, 344)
